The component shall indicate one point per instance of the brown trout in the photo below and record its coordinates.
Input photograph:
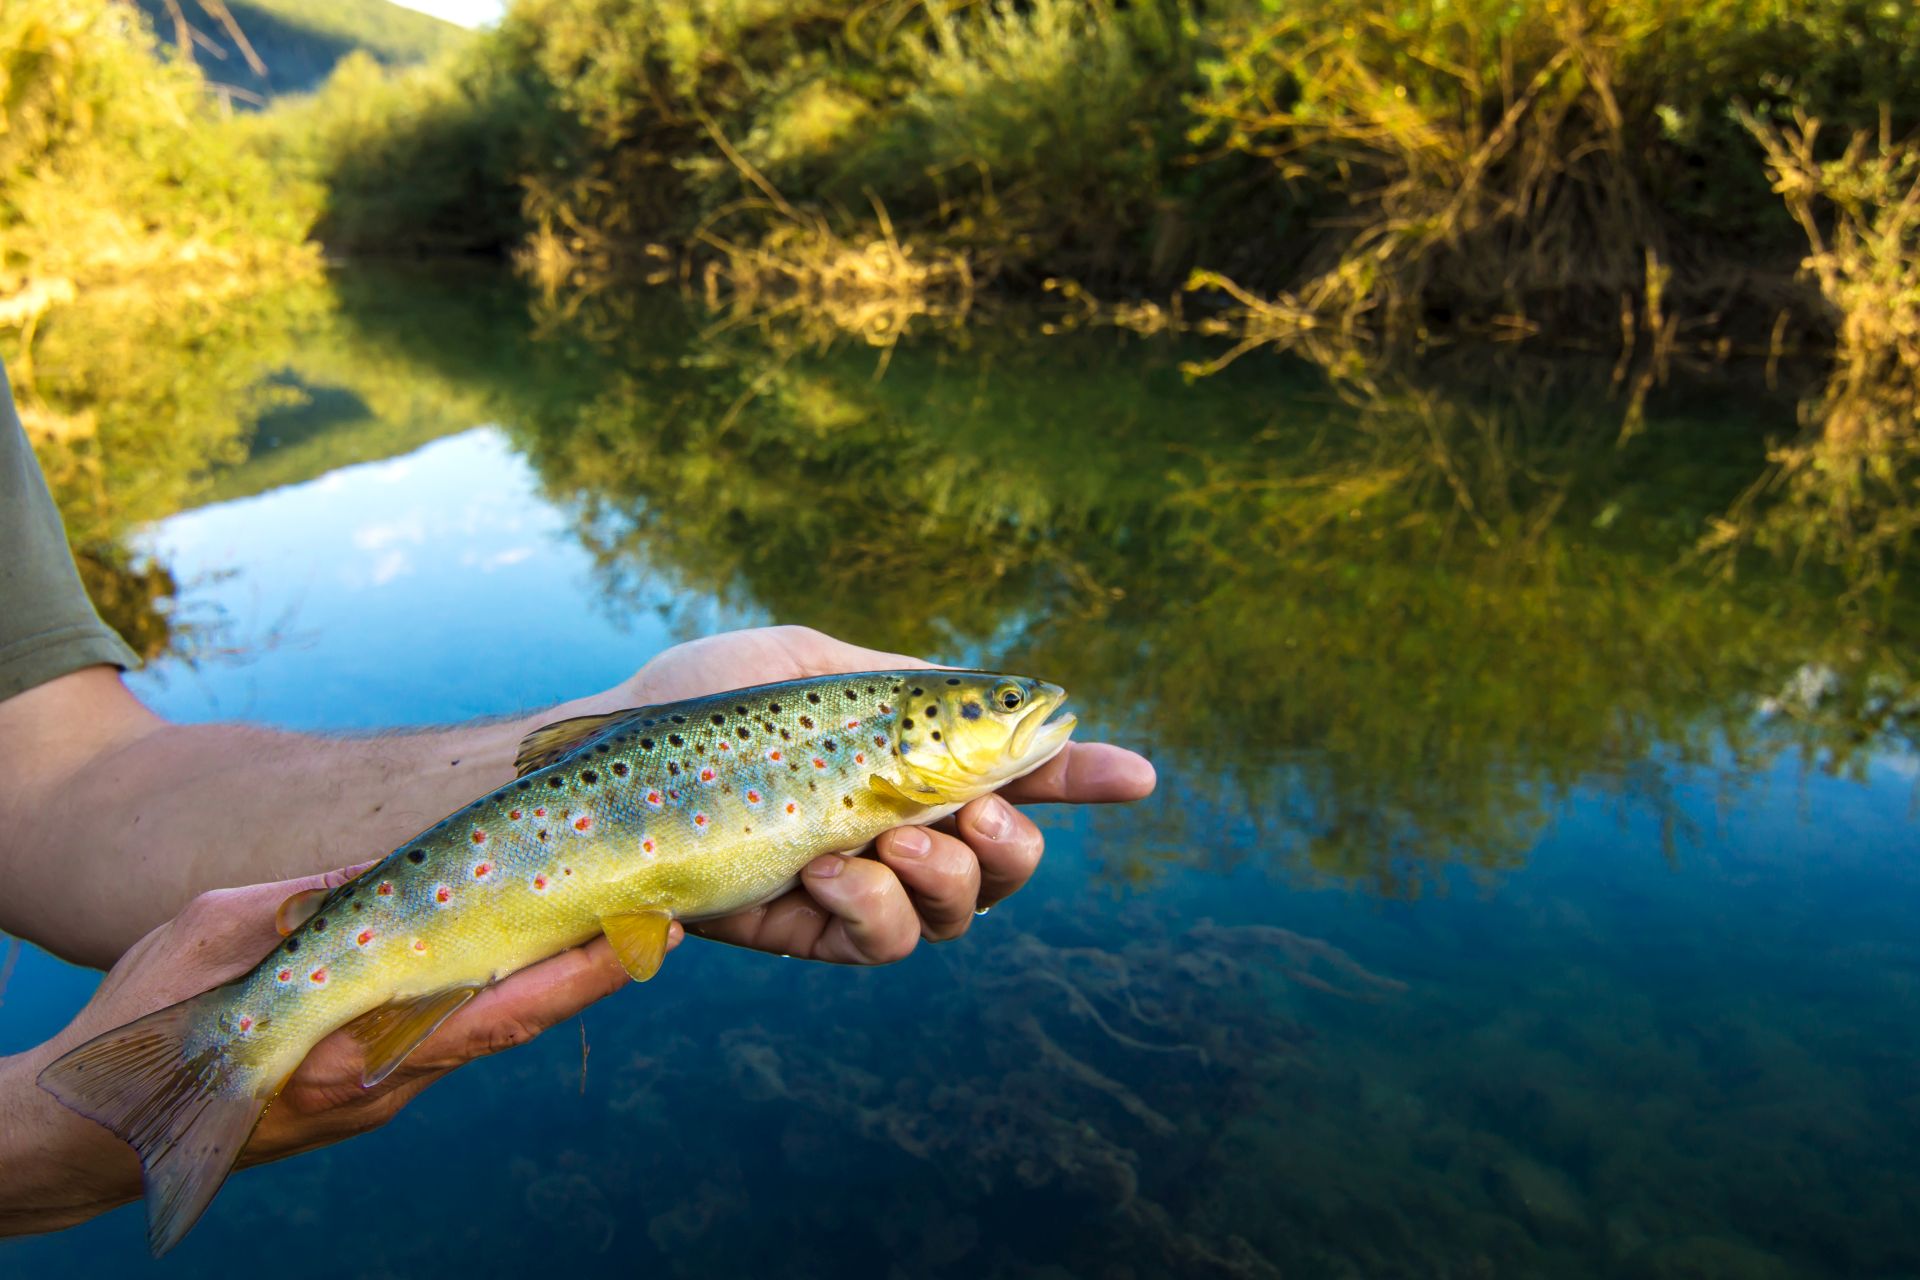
(617, 824)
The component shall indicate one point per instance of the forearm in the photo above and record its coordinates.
(113, 838)
(56, 1168)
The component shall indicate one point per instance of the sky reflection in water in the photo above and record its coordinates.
(1669, 1032)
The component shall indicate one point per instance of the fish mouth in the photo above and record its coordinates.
(1044, 729)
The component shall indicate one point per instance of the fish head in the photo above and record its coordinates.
(972, 731)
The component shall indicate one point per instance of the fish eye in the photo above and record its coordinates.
(1010, 697)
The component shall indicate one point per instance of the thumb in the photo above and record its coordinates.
(234, 928)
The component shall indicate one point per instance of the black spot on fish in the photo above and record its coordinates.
(806, 722)
(907, 723)
(589, 777)
(745, 732)
(847, 801)
(919, 693)
(646, 744)
(970, 711)
(932, 711)
(293, 945)
(831, 744)
(603, 748)
(676, 740)
(416, 856)
(885, 710)
(679, 719)
(814, 698)
(556, 782)
(869, 691)
(953, 679)
(813, 786)
(526, 783)
(358, 905)
(619, 769)
(852, 695)
(541, 833)
(773, 708)
(741, 711)
(319, 924)
(936, 735)
(786, 736)
(718, 718)
(673, 767)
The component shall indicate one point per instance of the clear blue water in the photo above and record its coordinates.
(1514, 904)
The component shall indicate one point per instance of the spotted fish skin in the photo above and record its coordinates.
(685, 811)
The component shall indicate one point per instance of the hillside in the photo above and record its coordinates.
(300, 42)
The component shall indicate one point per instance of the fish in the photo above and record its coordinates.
(615, 824)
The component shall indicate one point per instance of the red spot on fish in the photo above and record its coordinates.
(514, 814)
(792, 807)
(540, 883)
(285, 975)
(774, 755)
(646, 846)
(443, 895)
(655, 799)
(818, 763)
(481, 870)
(583, 822)
(753, 797)
(853, 724)
(706, 775)
(539, 813)
(246, 1024)
(879, 739)
(726, 746)
(699, 819)
(365, 936)
(420, 944)
(386, 889)
(859, 757)
(479, 837)
(318, 977)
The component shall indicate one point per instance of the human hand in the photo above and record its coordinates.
(921, 882)
(223, 934)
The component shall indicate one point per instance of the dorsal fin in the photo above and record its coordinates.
(562, 738)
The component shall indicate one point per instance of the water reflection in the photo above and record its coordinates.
(1437, 633)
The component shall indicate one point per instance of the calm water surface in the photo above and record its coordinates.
(1515, 903)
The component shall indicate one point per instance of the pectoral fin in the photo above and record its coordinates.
(388, 1034)
(563, 737)
(922, 797)
(640, 940)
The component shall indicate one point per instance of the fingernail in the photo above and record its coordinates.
(826, 867)
(909, 842)
(995, 818)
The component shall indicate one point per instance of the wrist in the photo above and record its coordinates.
(56, 1168)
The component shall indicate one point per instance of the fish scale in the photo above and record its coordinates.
(618, 824)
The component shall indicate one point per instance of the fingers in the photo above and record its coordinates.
(1086, 773)
(233, 928)
(1005, 842)
(846, 910)
(941, 877)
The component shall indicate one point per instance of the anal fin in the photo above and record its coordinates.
(391, 1032)
(640, 940)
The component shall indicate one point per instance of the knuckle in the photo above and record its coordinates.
(509, 1033)
(895, 948)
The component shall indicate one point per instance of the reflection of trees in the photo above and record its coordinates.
(1438, 602)
(1386, 618)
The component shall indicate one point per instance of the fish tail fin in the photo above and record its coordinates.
(187, 1114)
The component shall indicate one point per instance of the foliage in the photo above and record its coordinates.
(1527, 161)
(114, 166)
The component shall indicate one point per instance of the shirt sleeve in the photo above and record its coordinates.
(48, 627)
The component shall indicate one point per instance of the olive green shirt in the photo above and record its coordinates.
(48, 627)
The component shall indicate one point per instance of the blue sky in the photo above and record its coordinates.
(468, 13)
